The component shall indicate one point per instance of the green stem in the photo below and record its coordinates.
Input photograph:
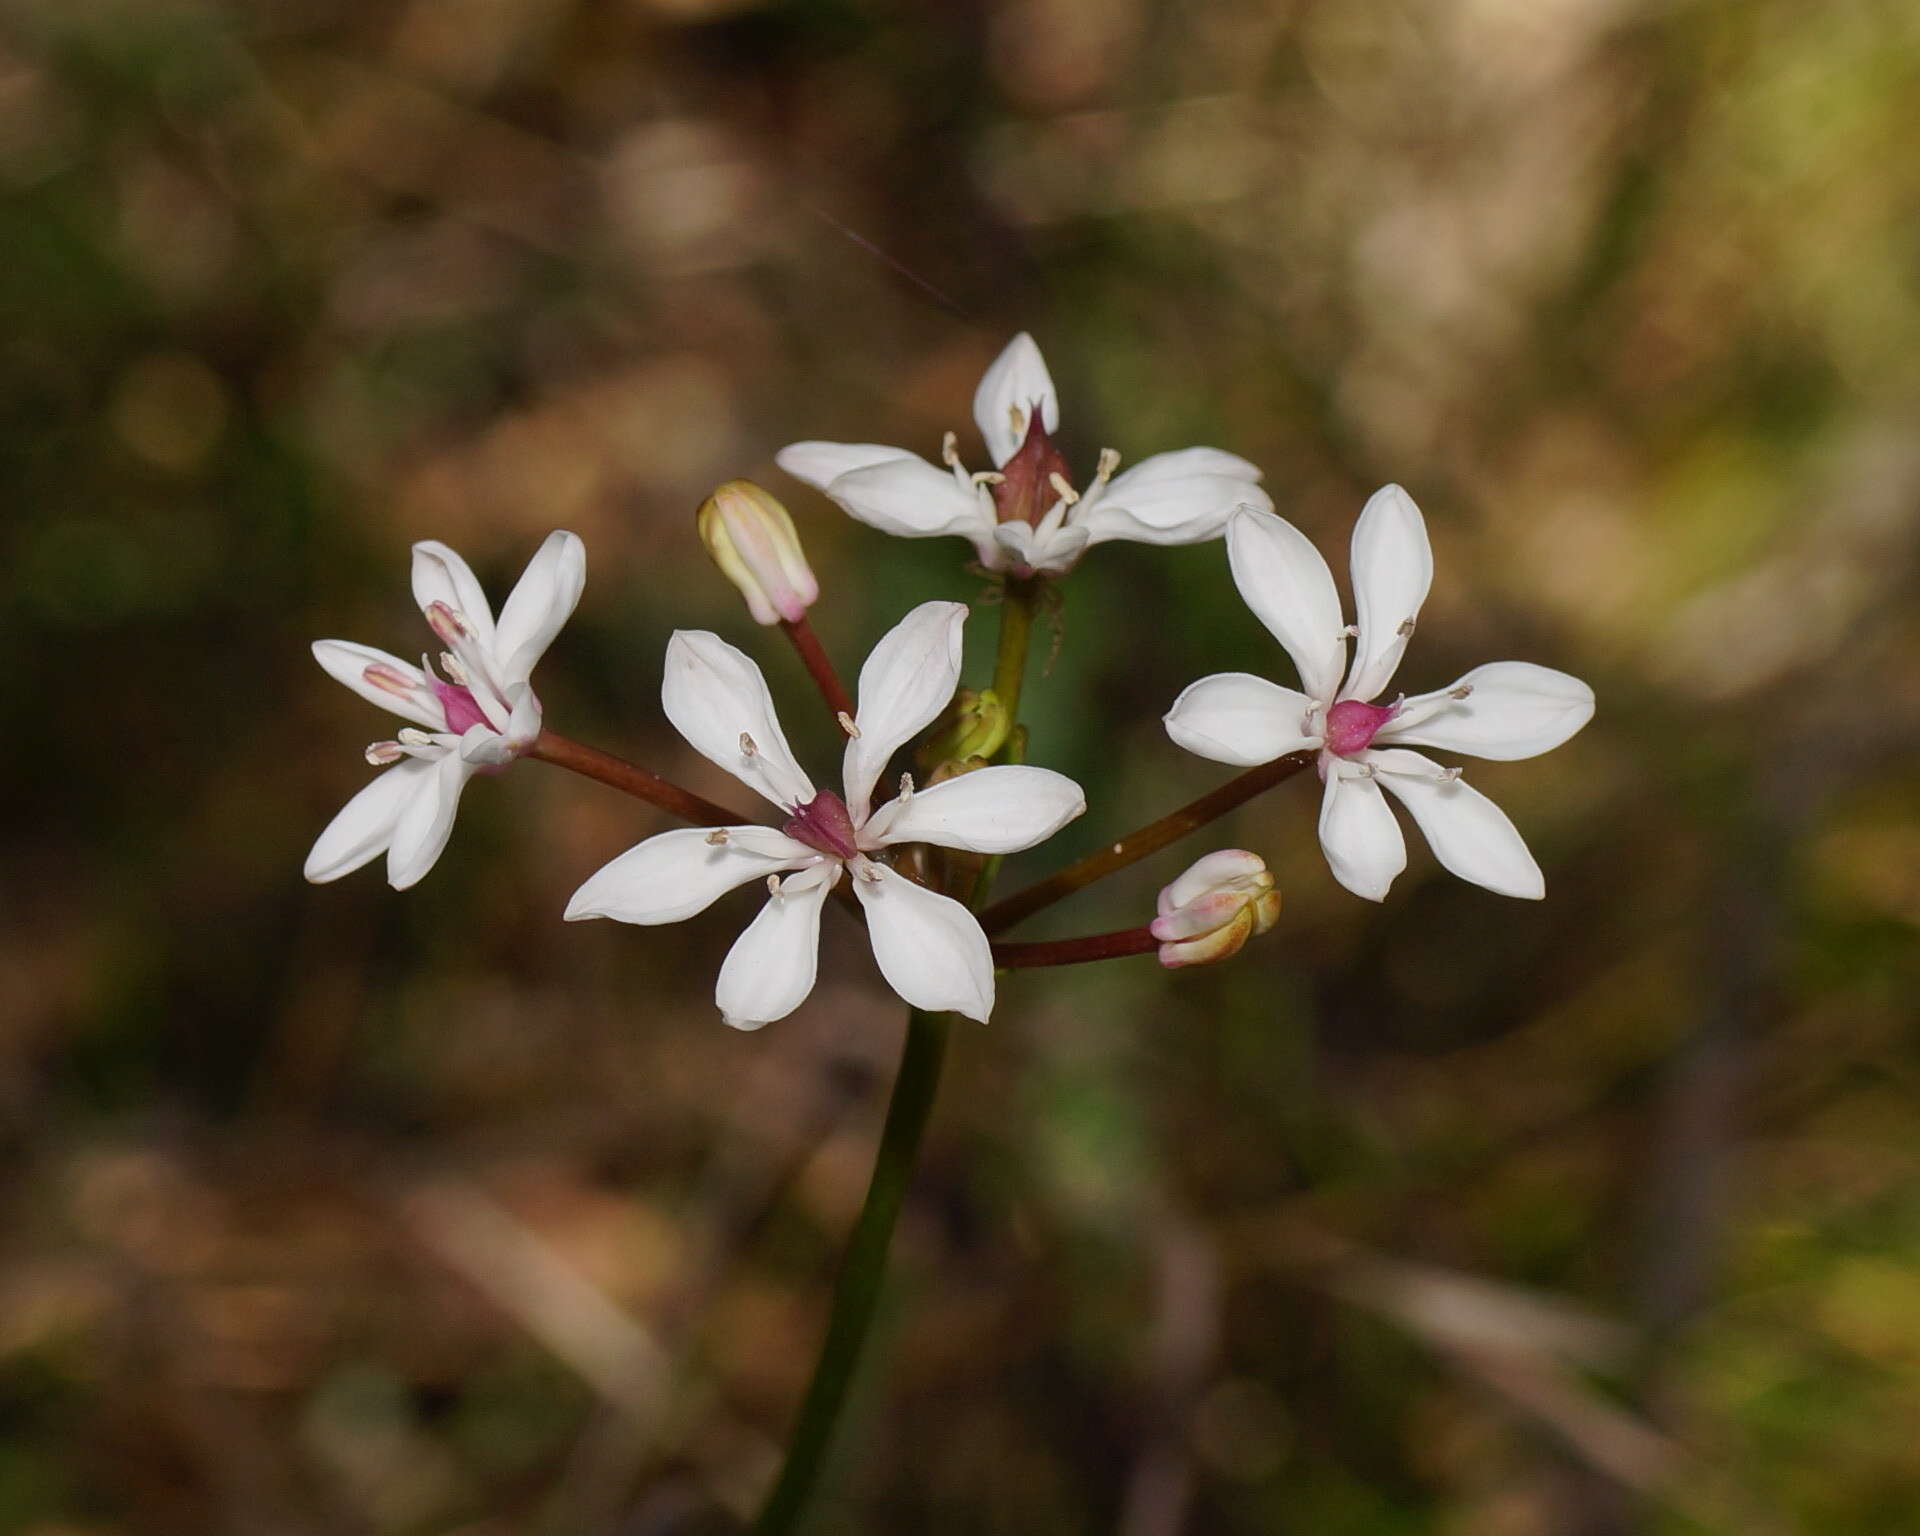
(1016, 626)
(861, 1273)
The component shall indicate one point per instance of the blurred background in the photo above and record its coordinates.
(331, 1210)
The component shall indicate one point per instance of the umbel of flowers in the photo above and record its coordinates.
(915, 863)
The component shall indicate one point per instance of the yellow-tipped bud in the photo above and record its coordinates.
(1214, 908)
(975, 724)
(752, 540)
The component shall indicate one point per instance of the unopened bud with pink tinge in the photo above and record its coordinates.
(752, 540)
(1214, 908)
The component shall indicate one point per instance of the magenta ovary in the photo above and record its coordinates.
(462, 709)
(824, 823)
(1352, 725)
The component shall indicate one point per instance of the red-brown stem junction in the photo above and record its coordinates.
(1149, 839)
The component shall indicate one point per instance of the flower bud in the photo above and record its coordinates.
(975, 724)
(752, 540)
(1214, 908)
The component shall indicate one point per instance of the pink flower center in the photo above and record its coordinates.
(462, 712)
(823, 823)
(1351, 725)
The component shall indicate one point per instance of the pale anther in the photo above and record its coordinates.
(717, 838)
(450, 664)
(1109, 462)
(1061, 489)
(388, 678)
(1405, 629)
(1460, 691)
(950, 451)
(411, 737)
(773, 885)
(906, 788)
(847, 725)
(1019, 419)
(381, 753)
(1351, 632)
(988, 477)
(1449, 775)
(747, 748)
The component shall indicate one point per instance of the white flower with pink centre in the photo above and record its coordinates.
(1025, 515)
(930, 948)
(1502, 711)
(477, 712)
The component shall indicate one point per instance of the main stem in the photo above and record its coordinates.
(864, 1268)
(1149, 839)
(861, 1272)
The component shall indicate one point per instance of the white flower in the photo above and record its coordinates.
(482, 714)
(931, 949)
(1024, 515)
(1504, 710)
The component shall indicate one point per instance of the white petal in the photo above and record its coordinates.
(672, 876)
(364, 827)
(715, 695)
(907, 680)
(820, 464)
(1469, 834)
(770, 969)
(1168, 508)
(441, 576)
(1183, 463)
(991, 810)
(911, 499)
(1391, 571)
(1234, 717)
(931, 949)
(426, 820)
(1053, 549)
(1009, 389)
(1286, 583)
(541, 601)
(1359, 836)
(1515, 710)
(346, 662)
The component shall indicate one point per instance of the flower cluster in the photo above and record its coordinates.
(918, 862)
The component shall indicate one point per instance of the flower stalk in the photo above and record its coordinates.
(1095, 946)
(617, 772)
(1016, 630)
(858, 1290)
(813, 655)
(1148, 839)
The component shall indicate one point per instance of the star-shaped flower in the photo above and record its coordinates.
(1504, 710)
(1025, 515)
(481, 714)
(930, 948)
